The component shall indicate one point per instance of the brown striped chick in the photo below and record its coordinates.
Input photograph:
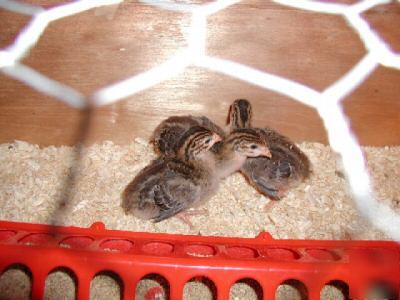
(230, 154)
(288, 165)
(240, 145)
(170, 185)
(240, 114)
(167, 134)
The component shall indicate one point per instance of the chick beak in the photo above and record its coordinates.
(216, 138)
(266, 153)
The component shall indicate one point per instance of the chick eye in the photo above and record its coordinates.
(253, 147)
(208, 141)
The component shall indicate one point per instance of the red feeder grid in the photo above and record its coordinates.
(180, 258)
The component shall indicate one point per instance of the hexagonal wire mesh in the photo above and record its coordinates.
(341, 139)
(330, 109)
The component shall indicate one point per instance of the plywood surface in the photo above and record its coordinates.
(97, 48)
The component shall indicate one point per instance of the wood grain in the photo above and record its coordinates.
(97, 48)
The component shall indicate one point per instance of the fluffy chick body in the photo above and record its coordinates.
(288, 165)
(170, 185)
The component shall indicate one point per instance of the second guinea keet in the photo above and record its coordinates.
(288, 165)
(169, 132)
(240, 114)
(230, 154)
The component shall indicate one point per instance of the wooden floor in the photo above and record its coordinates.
(94, 49)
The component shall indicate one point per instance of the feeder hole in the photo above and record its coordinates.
(291, 289)
(246, 289)
(199, 288)
(322, 254)
(60, 284)
(34, 239)
(116, 245)
(381, 291)
(239, 252)
(158, 248)
(76, 242)
(16, 283)
(152, 287)
(282, 254)
(106, 285)
(198, 250)
(335, 290)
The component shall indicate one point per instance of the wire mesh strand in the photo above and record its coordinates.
(327, 103)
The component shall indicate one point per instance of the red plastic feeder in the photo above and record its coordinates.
(179, 258)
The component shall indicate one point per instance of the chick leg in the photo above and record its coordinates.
(185, 216)
(268, 207)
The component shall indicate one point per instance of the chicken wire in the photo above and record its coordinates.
(328, 103)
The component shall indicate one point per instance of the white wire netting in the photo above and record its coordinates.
(328, 103)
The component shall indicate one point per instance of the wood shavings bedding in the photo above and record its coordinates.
(35, 182)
